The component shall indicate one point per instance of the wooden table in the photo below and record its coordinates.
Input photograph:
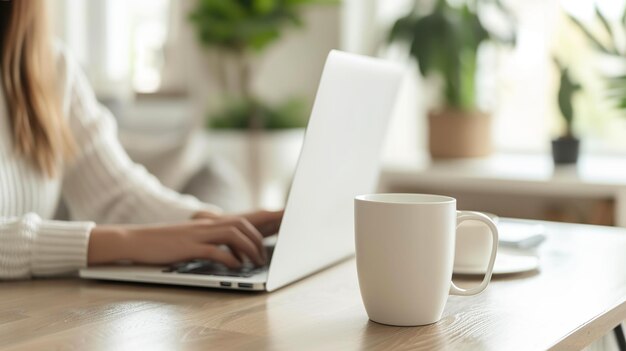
(578, 296)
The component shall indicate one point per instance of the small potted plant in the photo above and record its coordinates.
(608, 40)
(445, 42)
(565, 148)
(263, 140)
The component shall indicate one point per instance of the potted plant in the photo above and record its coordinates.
(445, 41)
(263, 140)
(610, 45)
(565, 148)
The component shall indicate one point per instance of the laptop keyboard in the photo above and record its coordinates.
(206, 267)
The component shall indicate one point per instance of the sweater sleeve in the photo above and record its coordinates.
(34, 247)
(101, 183)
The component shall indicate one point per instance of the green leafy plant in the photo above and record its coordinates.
(445, 41)
(239, 29)
(241, 25)
(567, 89)
(607, 43)
(236, 115)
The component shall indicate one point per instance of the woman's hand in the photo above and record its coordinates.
(266, 222)
(201, 238)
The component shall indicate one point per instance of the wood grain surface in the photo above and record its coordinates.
(578, 295)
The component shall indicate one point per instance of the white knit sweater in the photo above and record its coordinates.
(101, 184)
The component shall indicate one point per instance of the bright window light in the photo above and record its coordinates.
(149, 25)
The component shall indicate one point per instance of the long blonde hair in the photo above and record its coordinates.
(40, 133)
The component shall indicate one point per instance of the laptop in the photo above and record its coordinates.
(339, 160)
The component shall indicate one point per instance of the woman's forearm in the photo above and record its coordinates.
(108, 244)
(203, 238)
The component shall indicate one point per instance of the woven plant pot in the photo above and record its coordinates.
(459, 134)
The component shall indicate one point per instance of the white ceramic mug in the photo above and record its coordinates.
(405, 252)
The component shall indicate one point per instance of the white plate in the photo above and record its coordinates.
(505, 264)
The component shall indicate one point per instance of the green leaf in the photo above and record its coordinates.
(616, 93)
(445, 42)
(605, 23)
(238, 25)
(237, 114)
(567, 88)
(594, 41)
(402, 29)
(615, 86)
(264, 6)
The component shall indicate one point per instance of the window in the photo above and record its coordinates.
(120, 42)
(149, 32)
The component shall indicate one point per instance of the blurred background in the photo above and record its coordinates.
(212, 95)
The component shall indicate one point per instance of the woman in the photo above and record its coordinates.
(56, 140)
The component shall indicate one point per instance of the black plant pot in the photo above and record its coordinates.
(565, 150)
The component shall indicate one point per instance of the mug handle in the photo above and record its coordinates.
(476, 216)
